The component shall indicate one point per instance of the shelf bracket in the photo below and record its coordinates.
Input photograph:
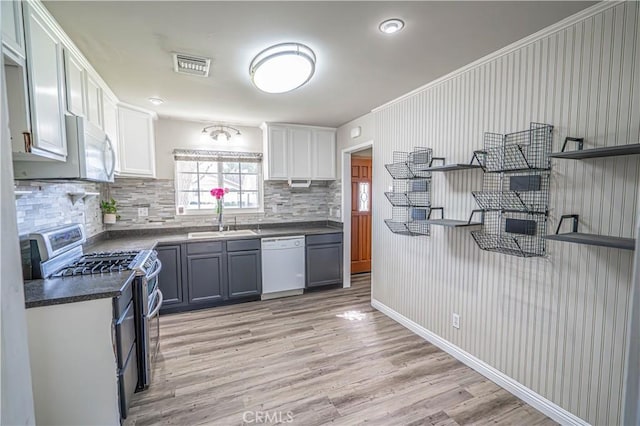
(437, 158)
(579, 141)
(476, 157)
(476, 211)
(77, 196)
(574, 227)
(436, 208)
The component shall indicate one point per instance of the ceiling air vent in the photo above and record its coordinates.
(192, 65)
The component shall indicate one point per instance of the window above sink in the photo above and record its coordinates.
(197, 172)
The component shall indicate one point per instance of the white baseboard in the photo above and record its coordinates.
(537, 401)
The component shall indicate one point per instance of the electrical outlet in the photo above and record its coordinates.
(143, 211)
(455, 320)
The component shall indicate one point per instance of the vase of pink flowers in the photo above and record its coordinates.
(219, 194)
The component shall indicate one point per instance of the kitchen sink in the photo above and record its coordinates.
(218, 234)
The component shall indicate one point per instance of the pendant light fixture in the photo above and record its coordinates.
(283, 67)
(220, 133)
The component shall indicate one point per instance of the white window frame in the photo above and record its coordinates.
(227, 210)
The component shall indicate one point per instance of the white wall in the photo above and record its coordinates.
(15, 375)
(557, 324)
(344, 139)
(172, 133)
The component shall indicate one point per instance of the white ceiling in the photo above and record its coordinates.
(358, 68)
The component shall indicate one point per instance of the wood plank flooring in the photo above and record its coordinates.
(321, 358)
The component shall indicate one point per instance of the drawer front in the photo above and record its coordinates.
(243, 245)
(125, 334)
(324, 239)
(205, 247)
(121, 302)
(127, 382)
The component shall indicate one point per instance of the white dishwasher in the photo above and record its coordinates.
(282, 266)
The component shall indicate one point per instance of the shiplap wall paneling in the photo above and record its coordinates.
(556, 324)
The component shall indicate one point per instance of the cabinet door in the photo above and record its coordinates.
(44, 65)
(137, 145)
(244, 274)
(324, 264)
(324, 155)
(94, 101)
(277, 153)
(110, 121)
(170, 278)
(205, 278)
(75, 84)
(300, 153)
(12, 28)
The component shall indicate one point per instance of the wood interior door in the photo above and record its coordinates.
(360, 214)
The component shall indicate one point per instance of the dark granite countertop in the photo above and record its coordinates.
(55, 291)
(149, 238)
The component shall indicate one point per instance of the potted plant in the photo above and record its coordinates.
(109, 211)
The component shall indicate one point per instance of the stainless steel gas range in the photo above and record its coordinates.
(58, 253)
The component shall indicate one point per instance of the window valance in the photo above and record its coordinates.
(206, 155)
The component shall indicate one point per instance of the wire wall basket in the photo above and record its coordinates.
(514, 192)
(410, 165)
(512, 233)
(409, 221)
(411, 192)
(519, 151)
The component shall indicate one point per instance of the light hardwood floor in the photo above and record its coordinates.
(322, 358)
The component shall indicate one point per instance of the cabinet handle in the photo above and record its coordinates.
(113, 158)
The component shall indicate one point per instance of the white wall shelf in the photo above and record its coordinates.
(19, 194)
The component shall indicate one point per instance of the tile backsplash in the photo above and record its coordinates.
(48, 204)
(281, 204)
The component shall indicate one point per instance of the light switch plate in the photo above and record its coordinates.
(143, 211)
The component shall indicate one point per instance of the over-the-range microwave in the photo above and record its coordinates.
(90, 156)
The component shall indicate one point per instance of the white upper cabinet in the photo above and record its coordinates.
(299, 152)
(45, 72)
(110, 119)
(137, 143)
(94, 101)
(323, 154)
(276, 144)
(12, 28)
(75, 85)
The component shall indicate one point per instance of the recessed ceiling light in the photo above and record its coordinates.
(282, 67)
(391, 26)
(156, 101)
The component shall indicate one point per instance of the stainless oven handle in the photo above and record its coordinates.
(155, 311)
(156, 271)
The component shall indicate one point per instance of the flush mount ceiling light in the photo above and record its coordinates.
(156, 101)
(283, 67)
(391, 26)
(220, 133)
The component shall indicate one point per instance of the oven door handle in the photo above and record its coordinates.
(156, 271)
(160, 299)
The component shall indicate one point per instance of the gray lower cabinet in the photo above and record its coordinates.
(324, 260)
(205, 278)
(170, 278)
(209, 273)
(244, 274)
